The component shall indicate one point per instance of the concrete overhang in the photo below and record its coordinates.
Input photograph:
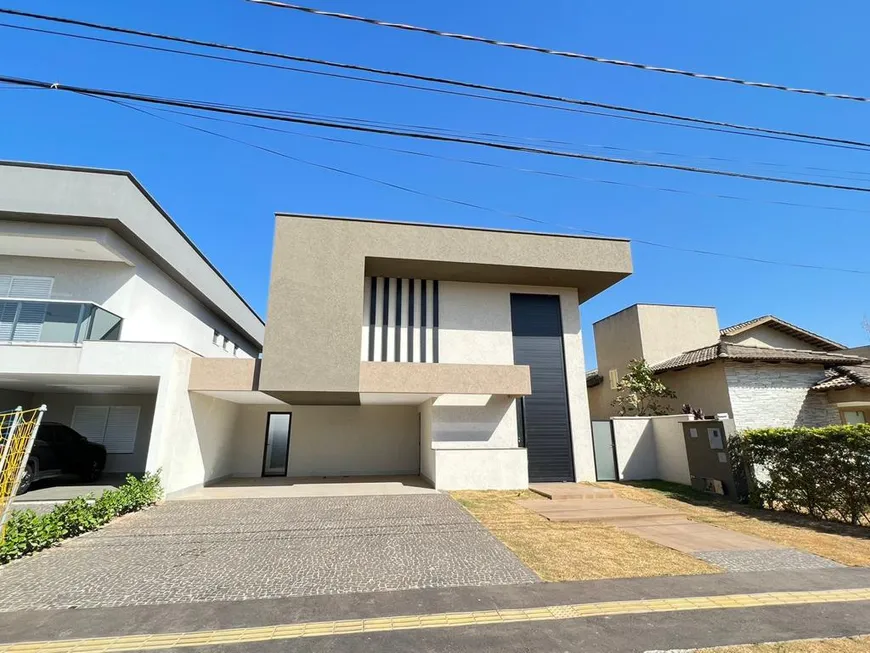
(89, 197)
(223, 374)
(312, 344)
(440, 378)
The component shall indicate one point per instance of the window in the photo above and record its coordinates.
(614, 379)
(853, 416)
(235, 350)
(216, 338)
(24, 287)
(228, 345)
(112, 426)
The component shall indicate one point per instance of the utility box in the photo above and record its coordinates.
(710, 466)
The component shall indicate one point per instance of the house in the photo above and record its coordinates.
(391, 348)
(103, 304)
(762, 372)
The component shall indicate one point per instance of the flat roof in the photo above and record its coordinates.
(114, 199)
(413, 223)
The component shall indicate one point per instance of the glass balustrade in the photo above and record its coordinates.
(40, 320)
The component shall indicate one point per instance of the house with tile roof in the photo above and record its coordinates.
(762, 372)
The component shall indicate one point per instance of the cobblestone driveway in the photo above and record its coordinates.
(264, 548)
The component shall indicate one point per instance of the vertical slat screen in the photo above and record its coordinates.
(400, 320)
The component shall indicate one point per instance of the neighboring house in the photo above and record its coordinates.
(103, 304)
(391, 348)
(763, 372)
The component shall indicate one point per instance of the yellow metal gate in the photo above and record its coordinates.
(17, 431)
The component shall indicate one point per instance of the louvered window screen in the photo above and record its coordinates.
(112, 426)
(31, 315)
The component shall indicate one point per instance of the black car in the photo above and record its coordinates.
(60, 451)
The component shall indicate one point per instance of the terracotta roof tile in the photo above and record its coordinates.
(730, 351)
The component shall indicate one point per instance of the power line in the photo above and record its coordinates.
(479, 207)
(488, 164)
(560, 53)
(691, 122)
(812, 170)
(212, 107)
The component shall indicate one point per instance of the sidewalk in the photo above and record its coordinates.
(665, 627)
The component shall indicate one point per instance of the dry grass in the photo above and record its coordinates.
(848, 545)
(573, 551)
(838, 645)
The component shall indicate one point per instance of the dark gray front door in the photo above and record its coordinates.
(536, 323)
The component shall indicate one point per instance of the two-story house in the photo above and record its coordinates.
(390, 348)
(103, 304)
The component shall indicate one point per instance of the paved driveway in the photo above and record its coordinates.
(240, 549)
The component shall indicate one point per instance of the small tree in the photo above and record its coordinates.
(640, 393)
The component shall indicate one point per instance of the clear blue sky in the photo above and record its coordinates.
(224, 195)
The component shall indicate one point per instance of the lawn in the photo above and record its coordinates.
(839, 645)
(559, 551)
(848, 545)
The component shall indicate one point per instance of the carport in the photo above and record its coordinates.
(115, 411)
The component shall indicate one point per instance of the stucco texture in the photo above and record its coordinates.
(317, 286)
(333, 440)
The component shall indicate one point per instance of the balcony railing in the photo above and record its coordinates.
(40, 320)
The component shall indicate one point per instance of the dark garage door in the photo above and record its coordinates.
(536, 322)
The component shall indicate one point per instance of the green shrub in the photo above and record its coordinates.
(27, 532)
(824, 472)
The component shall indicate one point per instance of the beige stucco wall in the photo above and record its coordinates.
(318, 271)
(764, 336)
(703, 387)
(334, 440)
(667, 331)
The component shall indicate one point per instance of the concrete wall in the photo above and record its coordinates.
(703, 387)
(765, 336)
(667, 331)
(334, 440)
(635, 448)
(478, 469)
(154, 307)
(651, 448)
(766, 395)
(62, 405)
(427, 454)
(671, 457)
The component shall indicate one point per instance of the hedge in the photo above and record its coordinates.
(824, 472)
(27, 532)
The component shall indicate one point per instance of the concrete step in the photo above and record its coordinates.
(603, 510)
(565, 491)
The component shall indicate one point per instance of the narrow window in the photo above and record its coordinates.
(614, 379)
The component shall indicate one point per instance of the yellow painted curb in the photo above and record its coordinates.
(341, 628)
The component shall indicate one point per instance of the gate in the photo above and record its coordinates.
(604, 448)
(17, 431)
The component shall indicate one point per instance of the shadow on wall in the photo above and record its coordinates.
(470, 420)
(635, 448)
(214, 421)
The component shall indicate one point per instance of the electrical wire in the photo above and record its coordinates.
(534, 171)
(472, 205)
(813, 171)
(560, 53)
(690, 121)
(429, 137)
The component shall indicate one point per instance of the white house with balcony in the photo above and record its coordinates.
(104, 302)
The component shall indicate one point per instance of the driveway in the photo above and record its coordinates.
(236, 549)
